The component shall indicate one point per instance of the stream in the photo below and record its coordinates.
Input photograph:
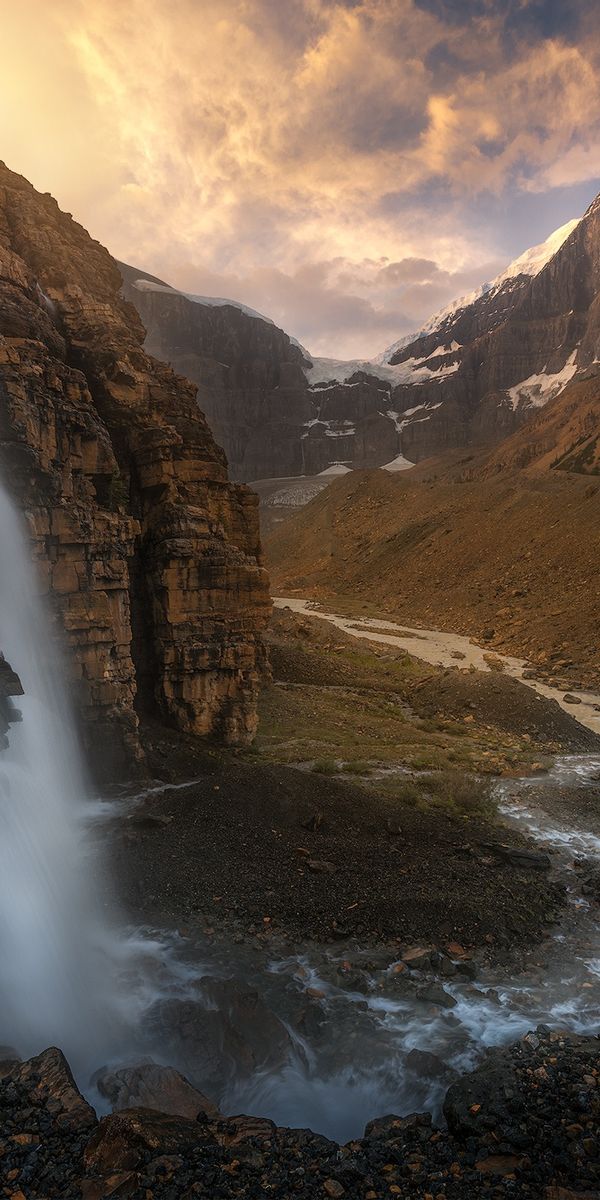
(443, 649)
(331, 1038)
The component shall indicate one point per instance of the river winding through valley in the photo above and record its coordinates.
(325, 1038)
(443, 649)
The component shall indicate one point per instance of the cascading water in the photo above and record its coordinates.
(56, 953)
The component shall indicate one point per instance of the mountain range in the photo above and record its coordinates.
(474, 374)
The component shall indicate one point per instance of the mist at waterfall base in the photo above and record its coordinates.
(57, 954)
(74, 976)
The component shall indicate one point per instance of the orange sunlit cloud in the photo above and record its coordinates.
(289, 154)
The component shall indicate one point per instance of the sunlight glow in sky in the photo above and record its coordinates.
(345, 166)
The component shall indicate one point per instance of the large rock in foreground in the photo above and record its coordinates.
(149, 1085)
(150, 554)
(525, 1124)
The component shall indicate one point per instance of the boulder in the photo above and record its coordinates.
(149, 1085)
(228, 1034)
(123, 1139)
(48, 1078)
(434, 993)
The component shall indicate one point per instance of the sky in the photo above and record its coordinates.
(346, 167)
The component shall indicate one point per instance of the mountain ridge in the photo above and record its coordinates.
(474, 379)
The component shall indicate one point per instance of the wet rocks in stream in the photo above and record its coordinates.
(228, 1032)
(525, 1123)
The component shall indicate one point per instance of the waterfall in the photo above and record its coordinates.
(57, 972)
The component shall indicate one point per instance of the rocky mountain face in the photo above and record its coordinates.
(150, 554)
(249, 375)
(472, 376)
(562, 436)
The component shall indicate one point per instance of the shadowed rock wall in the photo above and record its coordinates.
(151, 555)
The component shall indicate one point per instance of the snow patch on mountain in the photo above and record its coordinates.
(336, 468)
(339, 370)
(334, 429)
(531, 262)
(400, 463)
(147, 285)
(538, 390)
(413, 371)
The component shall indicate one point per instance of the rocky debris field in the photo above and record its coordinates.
(260, 851)
(525, 1123)
(504, 702)
(308, 652)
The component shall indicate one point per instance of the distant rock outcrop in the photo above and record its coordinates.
(151, 555)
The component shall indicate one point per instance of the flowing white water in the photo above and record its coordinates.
(57, 955)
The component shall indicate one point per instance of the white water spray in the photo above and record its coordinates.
(56, 955)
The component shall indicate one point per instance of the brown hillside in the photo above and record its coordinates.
(564, 436)
(512, 559)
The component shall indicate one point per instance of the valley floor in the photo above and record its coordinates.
(507, 558)
(370, 768)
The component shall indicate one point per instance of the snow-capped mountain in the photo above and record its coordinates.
(145, 284)
(472, 374)
(529, 263)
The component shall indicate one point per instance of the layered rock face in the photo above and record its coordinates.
(497, 361)
(150, 554)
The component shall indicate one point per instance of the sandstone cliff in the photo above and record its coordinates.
(150, 554)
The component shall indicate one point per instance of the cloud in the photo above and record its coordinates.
(410, 270)
(254, 141)
(335, 305)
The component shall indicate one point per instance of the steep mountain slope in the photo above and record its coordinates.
(562, 436)
(472, 376)
(503, 544)
(483, 309)
(150, 554)
(249, 373)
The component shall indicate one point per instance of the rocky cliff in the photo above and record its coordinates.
(251, 385)
(151, 556)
